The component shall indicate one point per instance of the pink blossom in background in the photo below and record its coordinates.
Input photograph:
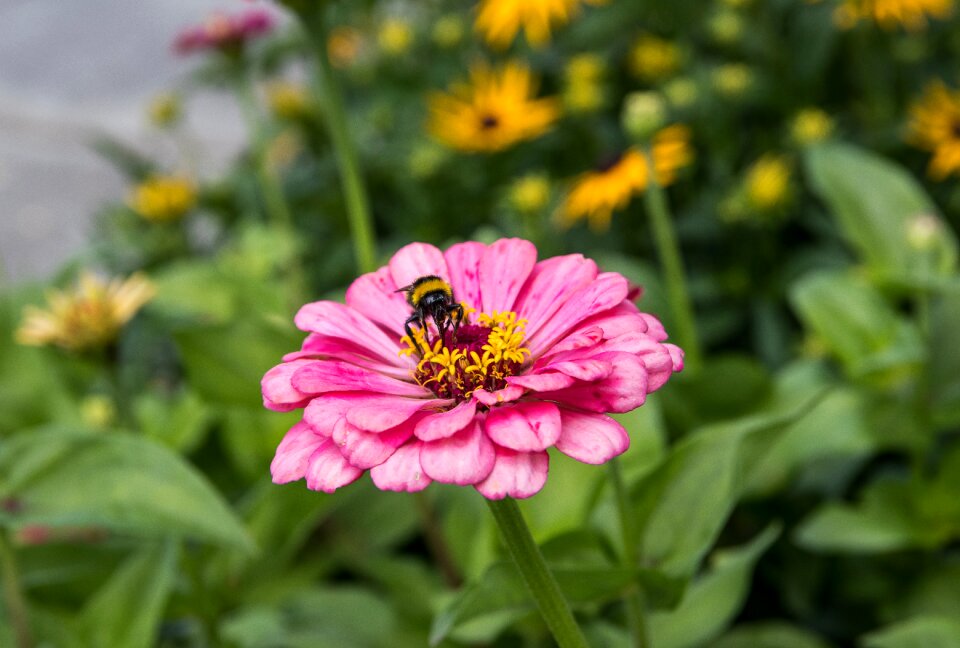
(225, 32)
(546, 351)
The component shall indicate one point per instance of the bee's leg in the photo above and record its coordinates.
(458, 309)
(406, 326)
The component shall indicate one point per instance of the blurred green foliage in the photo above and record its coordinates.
(801, 490)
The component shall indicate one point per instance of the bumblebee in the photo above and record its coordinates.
(431, 296)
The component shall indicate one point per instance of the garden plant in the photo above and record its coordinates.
(515, 323)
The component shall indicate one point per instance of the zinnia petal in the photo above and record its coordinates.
(402, 471)
(525, 427)
(515, 474)
(417, 260)
(504, 269)
(465, 458)
(327, 470)
(290, 461)
(591, 438)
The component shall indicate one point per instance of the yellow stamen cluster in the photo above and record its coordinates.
(458, 371)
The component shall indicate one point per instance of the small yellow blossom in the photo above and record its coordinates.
(98, 411)
(343, 46)
(643, 114)
(583, 83)
(935, 127)
(595, 195)
(732, 79)
(810, 125)
(682, 92)
(496, 110)
(653, 58)
(448, 31)
(88, 317)
(161, 198)
(395, 36)
(910, 14)
(767, 183)
(530, 194)
(288, 100)
(165, 110)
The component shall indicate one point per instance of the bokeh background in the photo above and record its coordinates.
(779, 176)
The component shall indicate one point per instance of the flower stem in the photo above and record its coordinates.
(669, 251)
(13, 596)
(273, 197)
(533, 568)
(634, 600)
(355, 194)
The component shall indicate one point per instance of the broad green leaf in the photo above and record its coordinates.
(501, 592)
(178, 421)
(713, 600)
(858, 326)
(330, 617)
(225, 363)
(249, 437)
(678, 515)
(876, 203)
(836, 428)
(919, 632)
(126, 612)
(278, 518)
(944, 366)
(197, 290)
(769, 634)
(126, 484)
(880, 524)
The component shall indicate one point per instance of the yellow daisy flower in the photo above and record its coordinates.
(89, 316)
(911, 14)
(595, 195)
(935, 126)
(498, 21)
(161, 199)
(492, 112)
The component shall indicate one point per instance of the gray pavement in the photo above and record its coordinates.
(70, 69)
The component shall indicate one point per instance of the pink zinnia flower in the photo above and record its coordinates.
(545, 351)
(224, 32)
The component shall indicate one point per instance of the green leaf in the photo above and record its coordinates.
(714, 599)
(919, 632)
(126, 484)
(769, 634)
(859, 327)
(678, 519)
(944, 367)
(876, 203)
(331, 617)
(224, 364)
(178, 422)
(880, 524)
(126, 612)
(500, 593)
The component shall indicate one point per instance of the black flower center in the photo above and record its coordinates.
(488, 122)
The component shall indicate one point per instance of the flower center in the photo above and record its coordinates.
(489, 122)
(482, 354)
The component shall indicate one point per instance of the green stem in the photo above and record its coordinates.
(669, 251)
(533, 568)
(355, 194)
(276, 203)
(634, 599)
(13, 596)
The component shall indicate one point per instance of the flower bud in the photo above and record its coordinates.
(643, 114)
